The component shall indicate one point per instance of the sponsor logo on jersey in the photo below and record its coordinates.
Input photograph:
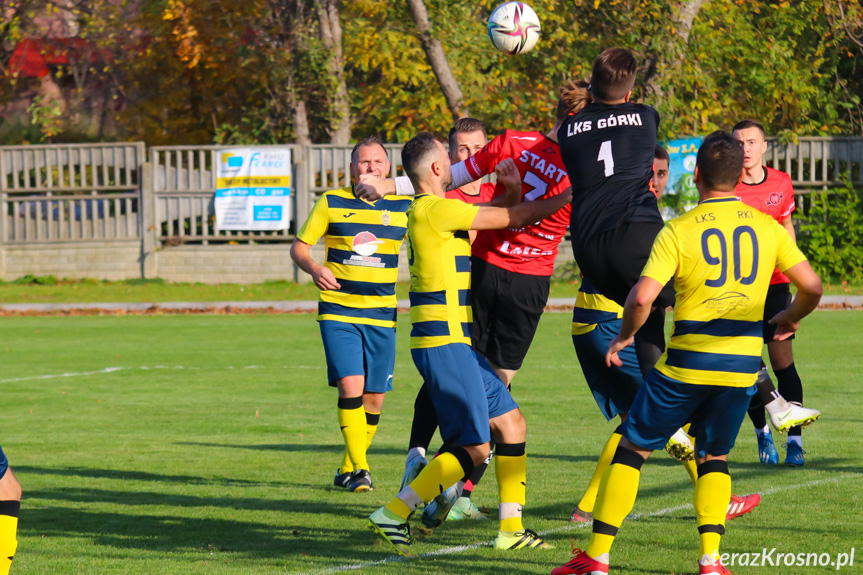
(726, 301)
(775, 199)
(365, 244)
(521, 250)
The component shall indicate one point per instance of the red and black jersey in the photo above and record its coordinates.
(774, 196)
(530, 250)
(608, 152)
(485, 195)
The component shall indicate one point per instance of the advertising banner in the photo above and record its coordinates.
(681, 166)
(253, 189)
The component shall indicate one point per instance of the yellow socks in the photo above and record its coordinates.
(372, 420)
(451, 465)
(8, 531)
(712, 493)
(617, 493)
(692, 470)
(588, 500)
(352, 421)
(510, 464)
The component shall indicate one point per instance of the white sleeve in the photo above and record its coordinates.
(460, 176)
(404, 187)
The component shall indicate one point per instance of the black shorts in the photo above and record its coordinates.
(506, 310)
(778, 298)
(613, 260)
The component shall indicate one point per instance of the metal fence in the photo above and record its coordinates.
(107, 192)
(74, 192)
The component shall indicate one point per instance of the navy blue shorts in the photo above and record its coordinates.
(613, 387)
(358, 349)
(465, 391)
(4, 463)
(663, 405)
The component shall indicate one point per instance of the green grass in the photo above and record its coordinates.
(136, 291)
(213, 449)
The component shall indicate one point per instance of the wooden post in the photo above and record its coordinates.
(147, 209)
(302, 199)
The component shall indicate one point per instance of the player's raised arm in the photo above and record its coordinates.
(491, 218)
(372, 188)
(510, 177)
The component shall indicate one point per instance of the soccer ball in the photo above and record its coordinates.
(513, 27)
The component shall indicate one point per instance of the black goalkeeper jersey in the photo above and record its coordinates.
(608, 152)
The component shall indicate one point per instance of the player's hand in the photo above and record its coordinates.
(371, 188)
(616, 345)
(785, 328)
(324, 279)
(508, 174)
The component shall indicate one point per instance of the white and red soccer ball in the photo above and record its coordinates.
(513, 27)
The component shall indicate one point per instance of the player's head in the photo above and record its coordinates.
(751, 135)
(370, 157)
(613, 75)
(426, 163)
(660, 170)
(466, 137)
(574, 95)
(719, 163)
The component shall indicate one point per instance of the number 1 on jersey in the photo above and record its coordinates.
(606, 158)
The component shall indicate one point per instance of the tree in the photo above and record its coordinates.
(331, 36)
(437, 60)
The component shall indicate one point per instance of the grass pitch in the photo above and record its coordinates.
(207, 444)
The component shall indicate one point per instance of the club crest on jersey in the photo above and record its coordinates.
(774, 199)
(386, 218)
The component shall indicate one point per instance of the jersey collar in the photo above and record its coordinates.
(720, 200)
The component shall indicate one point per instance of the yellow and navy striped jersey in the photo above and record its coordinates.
(439, 260)
(721, 255)
(591, 308)
(362, 243)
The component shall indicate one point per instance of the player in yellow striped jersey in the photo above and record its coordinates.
(10, 505)
(357, 307)
(467, 394)
(721, 256)
(595, 322)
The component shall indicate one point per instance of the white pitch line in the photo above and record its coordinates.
(564, 528)
(140, 368)
(56, 375)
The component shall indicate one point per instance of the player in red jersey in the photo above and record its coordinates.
(511, 269)
(770, 191)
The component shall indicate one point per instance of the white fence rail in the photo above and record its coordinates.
(111, 192)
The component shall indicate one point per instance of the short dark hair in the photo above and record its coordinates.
(613, 74)
(463, 126)
(659, 153)
(414, 153)
(373, 140)
(574, 95)
(749, 123)
(720, 161)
